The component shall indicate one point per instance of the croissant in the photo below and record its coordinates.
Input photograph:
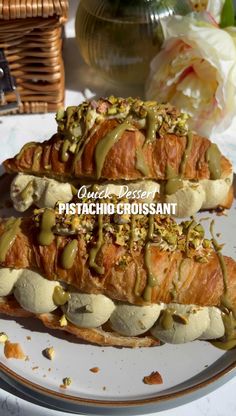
(128, 140)
(148, 261)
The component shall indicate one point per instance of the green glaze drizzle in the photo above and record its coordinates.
(94, 251)
(174, 180)
(64, 150)
(151, 279)
(69, 254)
(12, 228)
(36, 158)
(190, 228)
(170, 172)
(46, 236)
(188, 148)
(173, 185)
(141, 164)
(229, 341)
(213, 158)
(147, 295)
(137, 281)
(220, 257)
(106, 143)
(151, 227)
(25, 147)
(60, 296)
(229, 318)
(132, 230)
(175, 284)
(24, 193)
(79, 151)
(166, 319)
(152, 118)
(74, 190)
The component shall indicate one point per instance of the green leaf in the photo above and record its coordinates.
(227, 15)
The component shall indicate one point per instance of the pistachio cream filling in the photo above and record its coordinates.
(172, 323)
(27, 190)
(189, 196)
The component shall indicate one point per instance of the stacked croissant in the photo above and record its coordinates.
(123, 280)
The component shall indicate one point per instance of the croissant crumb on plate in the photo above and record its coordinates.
(115, 283)
(153, 378)
(14, 350)
(116, 139)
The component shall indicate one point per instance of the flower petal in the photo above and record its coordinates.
(195, 71)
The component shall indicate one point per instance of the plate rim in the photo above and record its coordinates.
(79, 401)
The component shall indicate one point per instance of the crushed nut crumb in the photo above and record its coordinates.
(49, 353)
(3, 337)
(66, 382)
(63, 321)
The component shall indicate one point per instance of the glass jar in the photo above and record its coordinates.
(119, 38)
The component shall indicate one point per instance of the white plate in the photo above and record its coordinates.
(188, 370)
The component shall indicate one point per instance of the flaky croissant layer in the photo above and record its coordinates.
(118, 272)
(122, 139)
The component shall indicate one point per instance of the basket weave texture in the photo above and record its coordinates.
(31, 37)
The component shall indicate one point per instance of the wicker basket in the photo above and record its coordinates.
(31, 37)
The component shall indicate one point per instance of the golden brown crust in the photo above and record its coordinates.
(10, 307)
(120, 163)
(197, 283)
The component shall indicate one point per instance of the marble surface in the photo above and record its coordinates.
(222, 402)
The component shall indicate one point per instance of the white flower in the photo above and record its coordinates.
(195, 71)
(214, 7)
(231, 30)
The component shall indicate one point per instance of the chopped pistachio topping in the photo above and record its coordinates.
(63, 321)
(49, 353)
(67, 381)
(187, 237)
(76, 121)
(3, 337)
